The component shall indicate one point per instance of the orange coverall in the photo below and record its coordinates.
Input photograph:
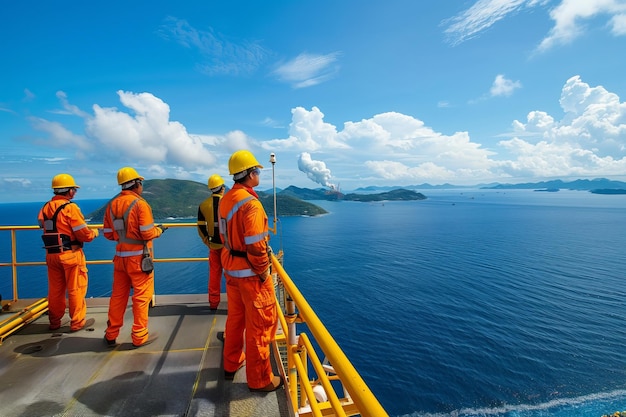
(127, 273)
(251, 302)
(67, 270)
(209, 233)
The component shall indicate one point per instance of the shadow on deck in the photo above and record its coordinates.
(45, 373)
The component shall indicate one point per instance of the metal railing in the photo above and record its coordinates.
(310, 393)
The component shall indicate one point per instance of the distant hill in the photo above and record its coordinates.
(581, 185)
(393, 195)
(610, 191)
(180, 199)
(322, 194)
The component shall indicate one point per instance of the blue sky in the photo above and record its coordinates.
(347, 93)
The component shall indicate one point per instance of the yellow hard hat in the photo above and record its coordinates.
(127, 174)
(63, 181)
(241, 161)
(215, 182)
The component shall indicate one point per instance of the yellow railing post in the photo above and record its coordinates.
(299, 350)
(364, 399)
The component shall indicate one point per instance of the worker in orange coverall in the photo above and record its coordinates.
(249, 286)
(128, 220)
(208, 231)
(64, 232)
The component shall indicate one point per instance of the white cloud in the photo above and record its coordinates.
(218, 55)
(28, 95)
(618, 25)
(569, 15)
(61, 137)
(148, 135)
(307, 132)
(504, 87)
(590, 139)
(481, 16)
(15, 183)
(307, 70)
(67, 107)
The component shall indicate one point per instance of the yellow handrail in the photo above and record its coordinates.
(299, 349)
(14, 264)
(366, 402)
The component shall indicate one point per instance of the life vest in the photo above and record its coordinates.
(208, 222)
(53, 241)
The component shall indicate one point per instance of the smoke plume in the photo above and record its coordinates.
(315, 170)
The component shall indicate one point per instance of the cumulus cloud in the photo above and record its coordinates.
(406, 148)
(308, 132)
(141, 134)
(147, 135)
(307, 70)
(588, 140)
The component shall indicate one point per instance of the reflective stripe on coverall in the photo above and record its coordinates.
(67, 270)
(208, 230)
(251, 303)
(127, 271)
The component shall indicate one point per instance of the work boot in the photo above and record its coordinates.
(110, 343)
(151, 338)
(229, 376)
(88, 323)
(272, 386)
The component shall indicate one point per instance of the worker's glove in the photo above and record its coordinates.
(96, 232)
(163, 228)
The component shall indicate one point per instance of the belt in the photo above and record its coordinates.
(238, 253)
(127, 253)
(59, 249)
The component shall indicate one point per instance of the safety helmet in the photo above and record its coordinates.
(127, 174)
(63, 181)
(241, 161)
(215, 182)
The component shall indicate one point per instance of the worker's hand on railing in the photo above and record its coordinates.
(96, 232)
(163, 228)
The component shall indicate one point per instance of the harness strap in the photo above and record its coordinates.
(53, 221)
(238, 253)
(55, 242)
(121, 233)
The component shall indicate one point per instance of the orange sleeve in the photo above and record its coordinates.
(146, 222)
(256, 235)
(80, 230)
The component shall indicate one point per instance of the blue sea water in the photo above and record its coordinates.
(470, 303)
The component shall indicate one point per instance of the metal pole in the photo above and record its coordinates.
(273, 161)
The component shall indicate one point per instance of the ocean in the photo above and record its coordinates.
(472, 302)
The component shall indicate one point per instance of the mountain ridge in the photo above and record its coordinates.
(173, 199)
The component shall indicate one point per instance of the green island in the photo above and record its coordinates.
(179, 199)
